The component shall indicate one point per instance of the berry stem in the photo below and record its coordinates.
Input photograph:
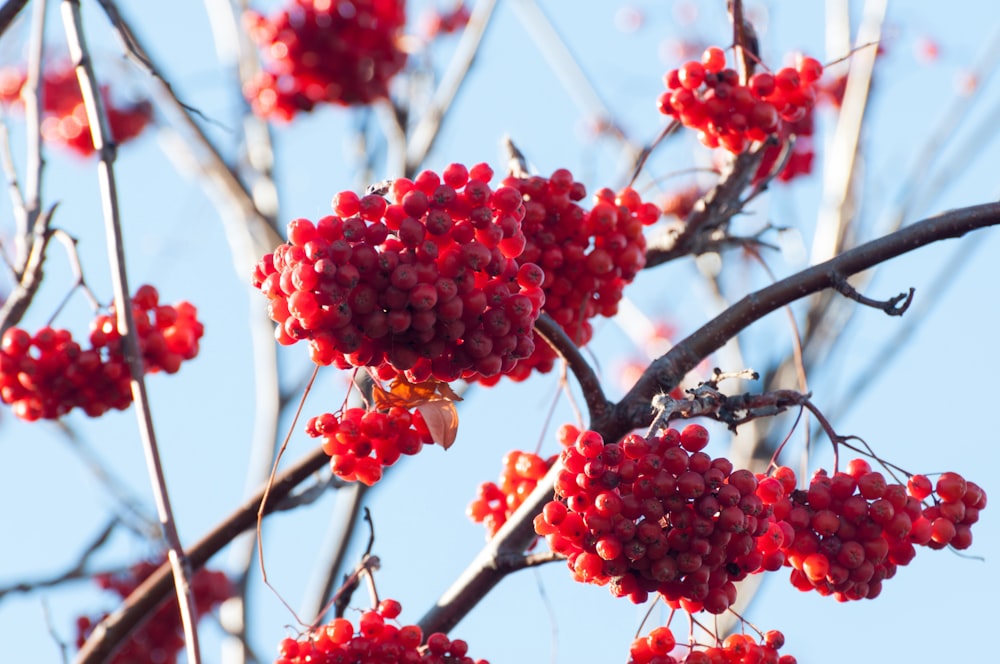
(100, 130)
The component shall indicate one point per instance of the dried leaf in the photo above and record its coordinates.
(441, 418)
(405, 394)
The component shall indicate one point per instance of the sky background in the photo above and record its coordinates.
(928, 407)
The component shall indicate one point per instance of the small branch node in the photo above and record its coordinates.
(894, 306)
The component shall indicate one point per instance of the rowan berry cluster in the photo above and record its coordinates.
(427, 286)
(587, 256)
(709, 97)
(846, 534)
(161, 637)
(376, 639)
(64, 116)
(656, 515)
(317, 51)
(361, 442)
(495, 502)
(655, 648)
(46, 375)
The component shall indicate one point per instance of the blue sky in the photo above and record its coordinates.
(927, 408)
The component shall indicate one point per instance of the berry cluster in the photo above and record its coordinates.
(846, 534)
(951, 516)
(655, 648)
(64, 116)
(426, 286)
(588, 257)
(361, 442)
(319, 51)
(656, 515)
(494, 503)
(46, 375)
(376, 640)
(161, 637)
(709, 97)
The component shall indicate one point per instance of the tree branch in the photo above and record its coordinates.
(114, 629)
(556, 337)
(667, 371)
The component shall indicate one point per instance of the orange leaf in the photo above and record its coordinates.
(441, 418)
(408, 395)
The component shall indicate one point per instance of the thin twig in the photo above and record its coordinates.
(101, 135)
(78, 571)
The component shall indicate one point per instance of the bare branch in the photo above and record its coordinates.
(8, 12)
(428, 127)
(666, 372)
(707, 224)
(100, 130)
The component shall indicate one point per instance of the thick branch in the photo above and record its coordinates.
(666, 372)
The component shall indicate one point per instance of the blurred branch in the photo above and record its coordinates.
(115, 628)
(567, 68)
(426, 132)
(100, 131)
(32, 235)
(77, 572)
(8, 12)
(256, 230)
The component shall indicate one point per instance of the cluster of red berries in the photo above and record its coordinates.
(427, 286)
(954, 511)
(709, 97)
(588, 257)
(64, 116)
(161, 637)
(655, 648)
(655, 515)
(318, 51)
(376, 640)
(46, 375)
(362, 442)
(846, 534)
(494, 502)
